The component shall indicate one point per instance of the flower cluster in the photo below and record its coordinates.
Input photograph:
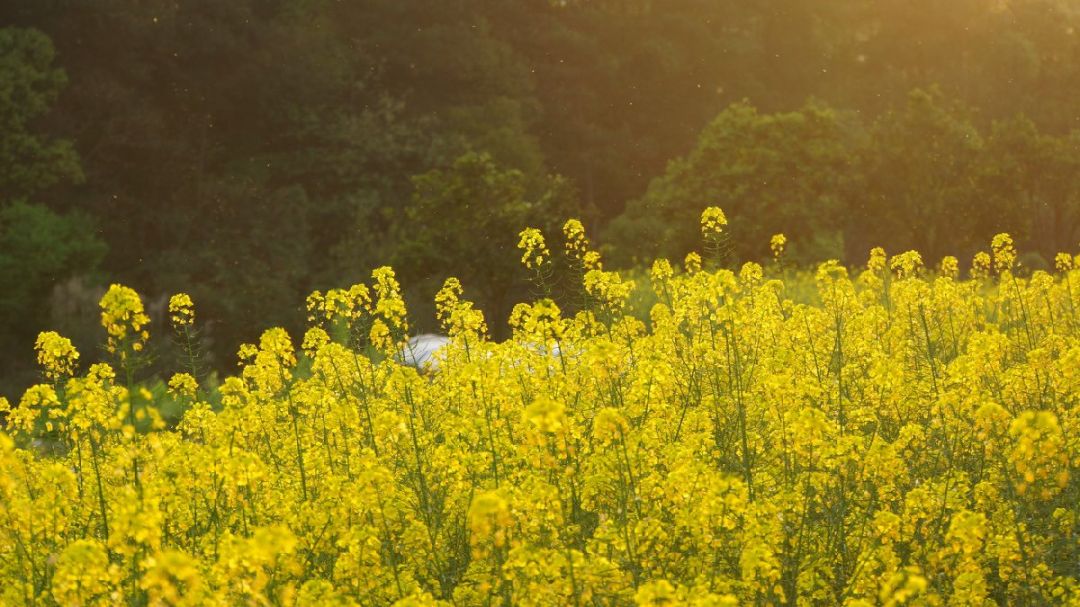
(56, 355)
(181, 310)
(895, 436)
(534, 251)
(458, 316)
(713, 222)
(608, 290)
(124, 320)
(1003, 251)
(980, 265)
(778, 243)
(577, 247)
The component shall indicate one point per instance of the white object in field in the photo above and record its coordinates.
(547, 350)
(420, 352)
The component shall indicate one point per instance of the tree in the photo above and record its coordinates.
(38, 249)
(769, 172)
(38, 246)
(915, 185)
(605, 71)
(463, 221)
(1030, 185)
(197, 118)
(29, 84)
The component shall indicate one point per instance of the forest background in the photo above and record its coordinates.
(250, 151)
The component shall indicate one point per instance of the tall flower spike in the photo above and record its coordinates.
(56, 355)
(123, 317)
(906, 264)
(534, 250)
(1004, 252)
(950, 266)
(577, 246)
(878, 260)
(692, 263)
(447, 299)
(713, 222)
(778, 243)
(576, 241)
(390, 305)
(314, 304)
(980, 265)
(608, 289)
(1063, 262)
(181, 310)
(661, 271)
(489, 518)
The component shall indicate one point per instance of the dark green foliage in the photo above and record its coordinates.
(464, 221)
(1031, 182)
(924, 176)
(770, 173)
(29, 84)
(39, 247)
(249, 151)
(915, 185)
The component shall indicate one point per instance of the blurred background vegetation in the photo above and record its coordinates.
(250, 151)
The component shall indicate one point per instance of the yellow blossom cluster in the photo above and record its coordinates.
(778, 243)
(181, 310)
(458, 316)
(56, 355)
(692, 262)
(713, 222)
(980, 265)
(371, 316)
(898, 436)
(124, 320)
(1003, 251)
(534, 251)
(578, 249)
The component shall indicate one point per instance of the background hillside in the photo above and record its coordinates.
(250, 151)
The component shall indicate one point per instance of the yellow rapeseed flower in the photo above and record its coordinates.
(777, 244)
(692, 263)
(183, 384)
(546, 415)
(181, 310)
(1004, 252)
(124, 320)
(534, 251)
(489, 521)
(56, 355)
(821, 439)
(949, 267)
(577, 243)
(713, 222)
(1063, 262)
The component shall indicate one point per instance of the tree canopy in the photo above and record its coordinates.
(253, 150)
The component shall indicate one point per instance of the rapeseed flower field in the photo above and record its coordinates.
(908, 438)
